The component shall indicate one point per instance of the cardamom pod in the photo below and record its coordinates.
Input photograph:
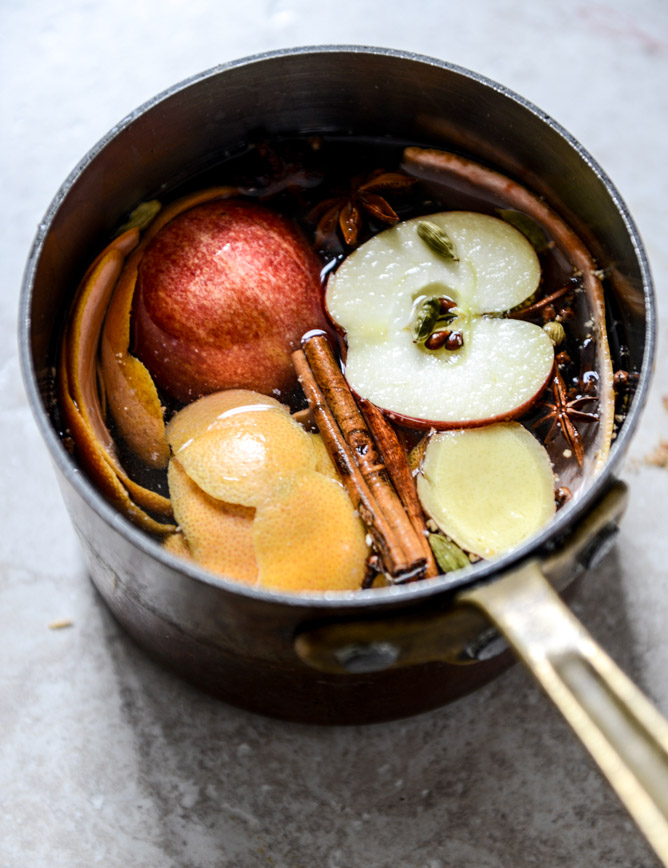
(448, 555)
(425, 318)
(555, 331)
(527, 226)
(436, 238)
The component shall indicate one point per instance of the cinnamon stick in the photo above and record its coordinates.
(353, 427)
(349, 422)
(387, 545)
(394, 456)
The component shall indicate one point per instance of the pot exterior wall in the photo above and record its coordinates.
(241, 649)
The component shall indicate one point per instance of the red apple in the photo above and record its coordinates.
(225, 292)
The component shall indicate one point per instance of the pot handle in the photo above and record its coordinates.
(622, 730)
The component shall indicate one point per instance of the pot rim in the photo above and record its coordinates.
(484, 571)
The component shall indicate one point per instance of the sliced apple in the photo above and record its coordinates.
(380, 289)
(487, 488)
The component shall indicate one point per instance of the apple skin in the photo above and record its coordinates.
(427, 425)
(224, 293)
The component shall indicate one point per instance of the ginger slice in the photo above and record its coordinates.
(133, 398)
(195, 418)
(219, 535)
(308, 537)
(489, 488)
(246, 453)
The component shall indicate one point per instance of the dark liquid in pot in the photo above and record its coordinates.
(294, 176)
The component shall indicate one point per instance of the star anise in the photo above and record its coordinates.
(346, 212)
(563, 414)
(283, 170)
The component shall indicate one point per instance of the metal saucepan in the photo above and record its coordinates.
(345, 657)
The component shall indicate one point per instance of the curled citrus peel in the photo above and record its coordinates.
(80, 401)
(308, 538)
(257, 498)
(196, 417)
(323, 463)
(83, 332)
(245, 454)
(176, 544)
(105, 470)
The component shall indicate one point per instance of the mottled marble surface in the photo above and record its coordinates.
(105, 758)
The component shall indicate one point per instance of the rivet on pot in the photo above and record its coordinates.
(371, 657)
(488, 645)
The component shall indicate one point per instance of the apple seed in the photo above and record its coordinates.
(436, 340)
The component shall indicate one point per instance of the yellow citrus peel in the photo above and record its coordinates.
(308, 538)
(245, 453)
(218, 535)
(196, 417)
(257, 498)
(80, 402)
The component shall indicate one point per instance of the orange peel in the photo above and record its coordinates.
(176, 544)
(219, 535)
(246, 453)
(131, 393)
(80, 401)
(195, 418)
(308, 537)
(102, 470)
(237, 449)
(323, 461)
(82, 337)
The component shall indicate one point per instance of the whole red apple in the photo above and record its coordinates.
(224, 293)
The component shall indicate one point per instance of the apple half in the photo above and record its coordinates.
(487, 488)
(377, 292)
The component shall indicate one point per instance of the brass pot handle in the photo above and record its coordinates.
(622, 730)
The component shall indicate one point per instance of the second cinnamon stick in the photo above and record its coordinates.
(391, 552)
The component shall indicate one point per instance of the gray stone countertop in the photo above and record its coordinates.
(107, 759)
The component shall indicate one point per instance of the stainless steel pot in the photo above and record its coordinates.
(344, 658)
